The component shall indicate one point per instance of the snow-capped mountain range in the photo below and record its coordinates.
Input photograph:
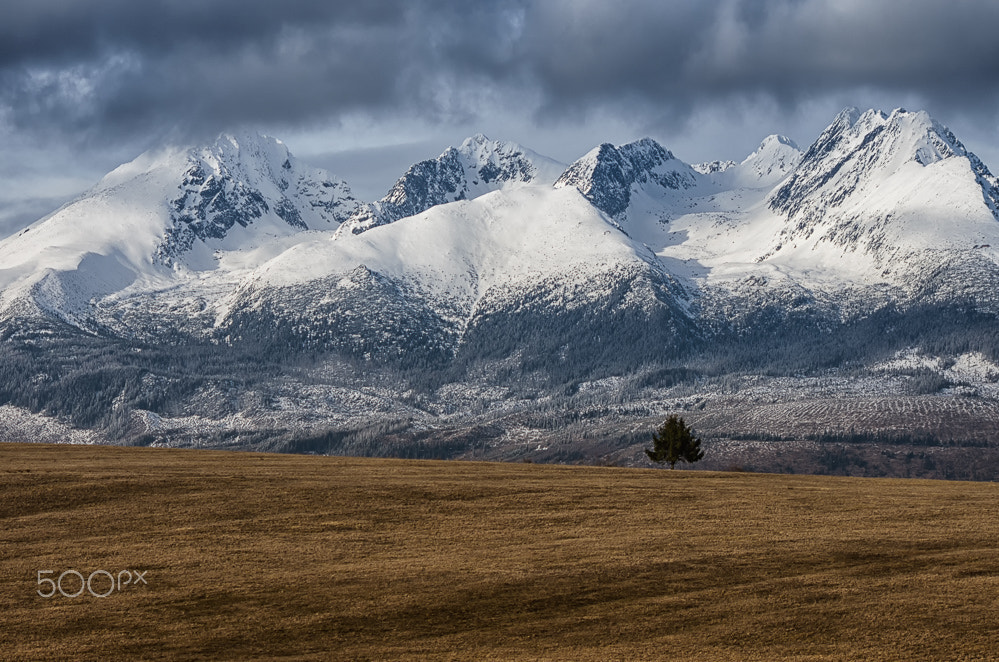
(237, 225)
(491, 254)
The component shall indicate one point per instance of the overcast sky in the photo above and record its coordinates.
(367, 87)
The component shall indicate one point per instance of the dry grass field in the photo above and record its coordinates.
(252, 557)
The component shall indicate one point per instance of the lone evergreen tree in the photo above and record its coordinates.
(674, 441)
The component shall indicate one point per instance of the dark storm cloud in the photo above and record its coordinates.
(684, 53)
(123, 67)
(120, 68)
(54, 30)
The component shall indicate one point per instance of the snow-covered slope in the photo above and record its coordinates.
(456, 252)
(450, 270)
(888, 184)
(164, 215)
(478, 166)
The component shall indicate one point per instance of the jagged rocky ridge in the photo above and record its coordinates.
(478, 166)
(857, 147)
(238, 180)
(607, 175)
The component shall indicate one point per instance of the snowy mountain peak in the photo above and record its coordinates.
(475, 141)
(243, 178)
(502, 162)
(844, 121)
(774, 142)
(846, 118)
(649, 148)
(477, 167)
(174, 208)
(883, 184)
(247, 147)
(607, 174)
(906, 135)
(775, 158)
(857, 148)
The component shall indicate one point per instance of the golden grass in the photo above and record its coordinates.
(287, 557)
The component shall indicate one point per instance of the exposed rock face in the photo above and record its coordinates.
(238, 180)
(607, 175)
(478, 166)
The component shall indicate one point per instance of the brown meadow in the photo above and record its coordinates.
(251, 556)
